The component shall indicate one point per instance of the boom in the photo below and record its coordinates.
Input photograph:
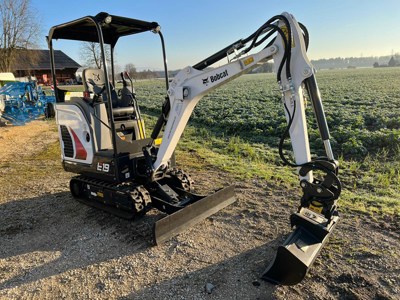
(317, 215)
(190, 85)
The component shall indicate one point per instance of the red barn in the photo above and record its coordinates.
(37, 63)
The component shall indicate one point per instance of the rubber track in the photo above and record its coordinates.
(110, 186)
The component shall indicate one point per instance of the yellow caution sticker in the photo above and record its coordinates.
(248, 60)
(141, 129)
(157, 142)
(286, 32)
(100, 194)
(316, 207)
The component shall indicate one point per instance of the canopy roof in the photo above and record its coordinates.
(113, 27)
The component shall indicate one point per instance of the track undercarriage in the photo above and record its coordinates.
(171, 195)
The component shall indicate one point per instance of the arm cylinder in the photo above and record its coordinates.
(315, 96)
(313, 91)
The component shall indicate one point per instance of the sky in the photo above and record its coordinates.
(193, 30)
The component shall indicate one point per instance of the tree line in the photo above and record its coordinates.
(351, 62)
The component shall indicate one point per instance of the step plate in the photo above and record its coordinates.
(192, 214)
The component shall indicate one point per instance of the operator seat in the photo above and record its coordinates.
(95, 82)
(124, 116)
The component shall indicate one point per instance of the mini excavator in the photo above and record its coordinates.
(123, 171)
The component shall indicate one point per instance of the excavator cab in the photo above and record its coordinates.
(103, 138)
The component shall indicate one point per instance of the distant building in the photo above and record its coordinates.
(37, 63)
(393, 62)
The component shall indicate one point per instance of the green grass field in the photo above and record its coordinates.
(237, 128)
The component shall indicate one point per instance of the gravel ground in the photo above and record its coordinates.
(53, 247)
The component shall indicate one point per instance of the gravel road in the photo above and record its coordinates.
(53, 247)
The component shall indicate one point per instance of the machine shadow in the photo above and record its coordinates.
(60, 234)
(237, 277)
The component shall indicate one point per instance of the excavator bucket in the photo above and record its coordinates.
(192, 214)
(301, 248)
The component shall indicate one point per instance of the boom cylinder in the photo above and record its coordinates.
(218, 56)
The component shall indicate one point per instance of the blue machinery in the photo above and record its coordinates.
(24, 102)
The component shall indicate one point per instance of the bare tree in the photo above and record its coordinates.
(19, 28)
(131, 69)
(91, 54)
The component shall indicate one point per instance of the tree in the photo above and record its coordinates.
(19, 28)
(376, 65)
(392, 62)
(91, 54)
(131, 69)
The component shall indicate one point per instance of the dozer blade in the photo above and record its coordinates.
(299, 251)
(192, 214)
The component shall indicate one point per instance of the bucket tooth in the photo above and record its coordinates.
(192, 214)
(301, 248)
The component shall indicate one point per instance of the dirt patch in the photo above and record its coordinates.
(17, 142)
(53, 247)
